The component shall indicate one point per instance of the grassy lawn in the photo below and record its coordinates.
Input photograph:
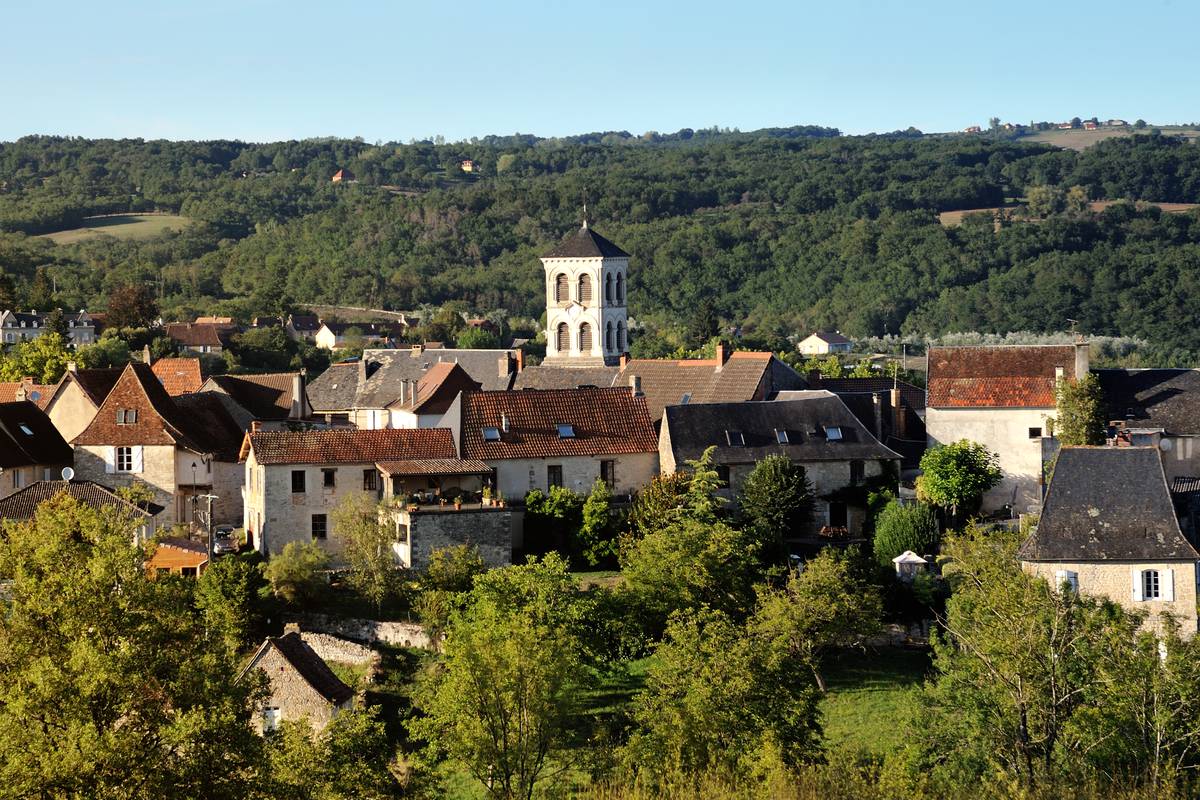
(125, 226)
(865, 704)
(1079, 139)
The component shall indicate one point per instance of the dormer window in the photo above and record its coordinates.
(127, 416)
(491, 434)
(687, 398)
(735, 438)
(833, 433)
(565, 430)
(781, 436)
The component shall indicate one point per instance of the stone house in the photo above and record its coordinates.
(815, 430)
(558, 437)
(1001, 397)
(302, 327)
(72, 404)
(335, 335)
(31, 448)
(730, 377)
(824, 343)
(203, 337)
(17, 326)
(300, 685)
(22, 505)
(1108, 528)
(295, 479)
(180, 447)
(376, 391)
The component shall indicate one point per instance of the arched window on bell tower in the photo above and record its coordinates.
(562, 339)
(562, 288)
(585, 289)
(608, 288)
(620, 289)
(585, 338)
(620, 334)
(609, 344)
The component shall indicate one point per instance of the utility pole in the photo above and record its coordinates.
(208, 523)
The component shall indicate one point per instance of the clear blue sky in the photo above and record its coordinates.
(259, 70)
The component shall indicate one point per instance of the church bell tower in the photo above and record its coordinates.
(586, 322)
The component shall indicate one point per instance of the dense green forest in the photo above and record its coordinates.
(781, 230)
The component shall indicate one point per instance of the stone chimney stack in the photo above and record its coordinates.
(635, 385)
(300, 408)
(403, 391)
(72, 367)
(520, 356)
(877, 407)
(900, 426)
(504, 422)
(146, 358)
(623, 362)
(1082, 359)
(505, 365)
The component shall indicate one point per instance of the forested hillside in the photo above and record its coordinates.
(782, 230)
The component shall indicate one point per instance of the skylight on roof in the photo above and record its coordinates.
(25, 429)
(781, 436)
(687, 398)
(565, 430)
(833, 433)
(735, 438)
(491, 434)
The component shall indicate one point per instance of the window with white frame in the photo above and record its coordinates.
(1066, 579)
(124, 459)
(1151, 585)
(270, 719)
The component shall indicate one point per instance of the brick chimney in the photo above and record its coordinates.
(255, 426)
(722, 354)
(623, 361)
(519, 354)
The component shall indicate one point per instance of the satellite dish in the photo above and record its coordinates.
(35, 395)
(1165, 445)
(67, 473)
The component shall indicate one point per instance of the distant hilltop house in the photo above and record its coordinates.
(1090, 126)
(18, 326)
(467, 165)
(1116, 123)
(824, 343)
(200, 337)
(972, 129)
(342, 176)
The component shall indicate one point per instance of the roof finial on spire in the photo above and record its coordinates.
(585, 224)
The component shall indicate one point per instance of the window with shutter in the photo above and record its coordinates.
(562, 289)
(585, 288)
(563, 338)
(585, 338)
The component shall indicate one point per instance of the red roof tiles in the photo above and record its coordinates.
(349, 447)
(604, 421)
(997, 377)
(178, 375)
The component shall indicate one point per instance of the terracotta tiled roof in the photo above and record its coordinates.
(437, 388)
(436, 466)
(28, 437)
(10, 390)
(264, 396)
(997, 377)
(23, 504)
(604, 421)
(349, 447)
(178, 375)
(195, 422)
(198, 335)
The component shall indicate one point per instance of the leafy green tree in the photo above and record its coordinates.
(453, 569)
(657, 503)
(296, 573)
(39, 295)
(904, 527)
(1140, 124)
(826, 606)
(131, 306)
(719, 699)
(8, 293)
(470, 338)
(43, 358)
(829, 367)
(367, 545)
(108, 684)
(56, 322)
(1076, 200)
(595, 539)
(227, 595)
(777, 500)
(704, 323)
(552, 519)
(1045, 201)
(501, 703)
(956, 476)
(266, 349)
(349, 758)
(1079, 413)
(107, 351)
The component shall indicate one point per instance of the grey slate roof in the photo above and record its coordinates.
(1108, 504)
(586, 243)
(27, 437)
(335, 388)
(1153, 398)
(695, 427)
(566, 377)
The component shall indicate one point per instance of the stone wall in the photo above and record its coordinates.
(368, 631)
(489, 530)
(158, 472)
(515, 477)
(334, 649)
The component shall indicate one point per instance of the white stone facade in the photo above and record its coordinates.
(515, 477)
(585, 300)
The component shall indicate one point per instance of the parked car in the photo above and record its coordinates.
(223, 541)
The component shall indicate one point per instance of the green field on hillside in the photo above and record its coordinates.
(124, 226)
(1079, 139)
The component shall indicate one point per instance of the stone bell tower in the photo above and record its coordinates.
(586, 323)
